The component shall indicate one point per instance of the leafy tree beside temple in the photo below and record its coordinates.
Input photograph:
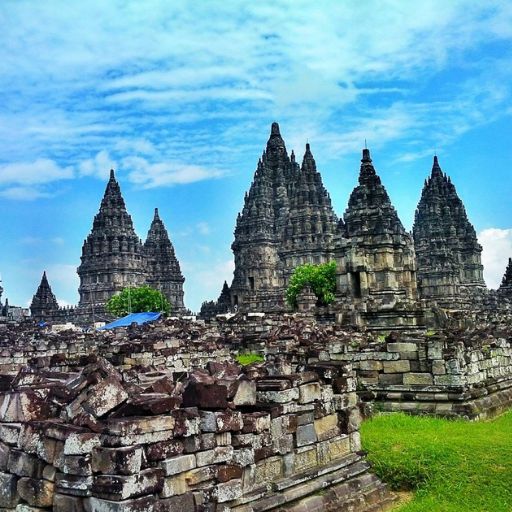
(138, 300)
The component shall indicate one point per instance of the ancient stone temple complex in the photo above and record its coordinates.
(386, 276)
(163, 417)
(114, 258)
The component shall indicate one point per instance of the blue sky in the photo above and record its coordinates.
(178, 97)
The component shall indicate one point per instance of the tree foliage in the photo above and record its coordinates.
(138, 300)
(321, 278)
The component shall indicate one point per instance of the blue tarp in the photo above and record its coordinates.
(138, 318)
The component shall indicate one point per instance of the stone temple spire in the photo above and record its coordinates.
(369, 208)
(505, 288)
(44, 303)
(448, 254)
(261, 223)
(163, 267)
(376, 267)
(112, 255)
(311, 225)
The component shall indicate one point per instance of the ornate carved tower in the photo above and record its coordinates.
(310, 230)
(112, 254)
(164, 271)
(257, 281)
(375, 264)
(44, 304)
(505, 289)
(448, 254)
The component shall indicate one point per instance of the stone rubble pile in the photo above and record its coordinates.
(222, 438)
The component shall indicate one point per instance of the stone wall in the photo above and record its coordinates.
(173, 344)
(219, 439)
(447, 373)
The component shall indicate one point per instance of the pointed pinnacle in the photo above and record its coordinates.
(156, 217)
(366, 156)
(274, 131)
(112, 174)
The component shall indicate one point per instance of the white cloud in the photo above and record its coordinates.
(37, 172)
(497, 248)
(142, 146)
(99, 166)
(34, 240)
(204, 282)
(24, 193)
(150, 175)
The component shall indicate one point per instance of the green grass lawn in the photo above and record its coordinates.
(451, 465)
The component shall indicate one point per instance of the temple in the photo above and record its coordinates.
(386, 276)
(114, 258)
(287, 220)
(505, 289)
(448, 255)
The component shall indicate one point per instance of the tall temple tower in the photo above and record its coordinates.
(505, 289)
(44, 303)
(375, 263)
(311, 223)
(112, 254)
(164, 271)
(257, 282)
(448, 254)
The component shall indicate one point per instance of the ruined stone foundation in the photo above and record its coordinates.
(80, 434)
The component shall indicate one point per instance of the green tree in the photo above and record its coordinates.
(321, 278)
(138, 300)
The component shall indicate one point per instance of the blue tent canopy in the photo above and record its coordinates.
(138, 318)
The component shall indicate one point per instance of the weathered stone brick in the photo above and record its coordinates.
(116, 487)
(228, 491)
(400, 366)
(8, 490)
(245, 393)
(117, 461)
(326, 427)
(22, 464)
(178, 464)
(215, 456)
(36, 492)
(256, 422)
(144, 504)
(74, 485)
(65, 503)
(306, 434)
(424, 379)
